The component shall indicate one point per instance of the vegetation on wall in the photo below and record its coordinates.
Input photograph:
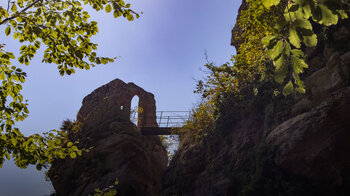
(63, 29)
(270, 58)
(294, 30)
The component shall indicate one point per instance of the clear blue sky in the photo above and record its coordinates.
(162, 52)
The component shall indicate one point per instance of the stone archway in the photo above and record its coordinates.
(135, 109)
(117, 95)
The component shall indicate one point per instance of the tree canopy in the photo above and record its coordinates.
(272, 31)
(63, 29)
(292, 30)
(269, 63)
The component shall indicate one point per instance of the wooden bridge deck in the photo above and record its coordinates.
(157, 130)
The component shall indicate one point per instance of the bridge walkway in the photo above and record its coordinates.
(167, 122)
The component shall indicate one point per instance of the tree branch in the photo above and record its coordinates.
(19, 13)
(8, 5)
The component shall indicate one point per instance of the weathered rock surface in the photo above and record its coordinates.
(294, 146)
(315, 144)
(119, 150)
(236, 30)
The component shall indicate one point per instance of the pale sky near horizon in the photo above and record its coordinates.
(162, 52)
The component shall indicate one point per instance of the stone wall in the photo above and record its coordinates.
(118, 94)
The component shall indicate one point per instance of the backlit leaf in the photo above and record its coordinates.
(294, 37)
(269, 3)
(7, 31)
(328, 18)
(108, 8)
(288, 89)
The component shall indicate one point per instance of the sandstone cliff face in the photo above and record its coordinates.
(119, 152)
(315, 144)
(294, 146)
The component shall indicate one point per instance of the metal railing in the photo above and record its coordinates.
(165, 119)
(172, 118)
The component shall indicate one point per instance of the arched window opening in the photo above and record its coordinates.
(134, 110)
(122, 107)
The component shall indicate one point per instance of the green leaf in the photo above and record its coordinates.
(279, 62)
(290, 16)
(15, 35)
(298, 52)
(280, 24)
(266, 40)
(13, 141)
(298, 1)
(310, 41)
(302, 23)
(3, 137)
(294, 37)
(116, 14)
(281, 73)
(270, 3)
(113, 192)
(130, 17)
(277, 50)
(73, 155)
(108, 8)
(288, 89)
(342, 14)
(14, 8)
(307, 11)
(69, 144)
(328, 18)
(7, 31)
(2, 76)
(58, 141)
(301, 89)
(296, 65)
(287, 48)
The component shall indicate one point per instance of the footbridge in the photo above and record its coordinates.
(167, 122)
(117, 95)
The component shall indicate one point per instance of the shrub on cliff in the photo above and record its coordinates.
(270, 59)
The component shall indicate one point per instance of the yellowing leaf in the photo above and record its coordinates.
(14, 8)
(7, 31)
(108, 8)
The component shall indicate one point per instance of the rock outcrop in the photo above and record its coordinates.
(237, 30)
(297, 145)
(315, 144)
(119, 150)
